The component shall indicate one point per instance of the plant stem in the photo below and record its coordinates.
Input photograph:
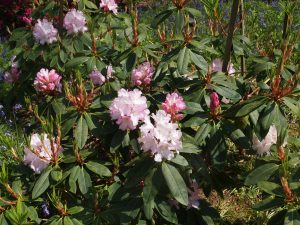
(234, 11)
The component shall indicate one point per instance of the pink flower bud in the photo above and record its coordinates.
(96, 77)
(214, 102)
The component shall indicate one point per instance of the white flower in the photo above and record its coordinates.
(217, 66)
(96, 77)
(75, 22)
(44, 32)
(40, 152)
(129, 108)
(163, 138)
(263, 147)
(109, 5)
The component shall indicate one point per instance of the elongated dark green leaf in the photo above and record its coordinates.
(202, 133)
(149, 193)
(81, 132)
(84, 180)
(292, 217)
(199, 61)
(77, 61)
(131, 61)
(175, 183)
(167, 212)
(161, 17)
(269, 203)
(268, 116)
(117, 140)
(195, 121)
(246, 107)
(183, 60)
(261, 173)
(98, 168)
(42, 183)
(73, 178)
(271, 188)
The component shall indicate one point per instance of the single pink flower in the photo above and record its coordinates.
(47, 81)
(142, 75)
(75, 22)
(173, 105)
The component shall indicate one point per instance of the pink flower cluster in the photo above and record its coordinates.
(96, 77)
(142, 75)
(129, 108)
(74, 22)
(263, 146)
(109, 5)
(26, 18)
(44, 32)
(47, 81)
(163, 138)
(214, 102)
(13, 75)
(173, 105)
(217, 66)
(39, 154)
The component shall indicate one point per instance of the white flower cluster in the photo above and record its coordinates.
(75, 22)
(163, 138)
(44, 32)
(263, 146)
(39, 154)
(129, 108)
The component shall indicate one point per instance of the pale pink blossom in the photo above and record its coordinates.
(214, 102)
(173, 105)
(142, 75)
(217, 66)
(75, 22)
(44, 32)
(39, 154)
(129, 108)
(110, 71)
(163, 138)
(109, 5)
(263, 147)
(96, 77)
(13, 75)
(47, 81)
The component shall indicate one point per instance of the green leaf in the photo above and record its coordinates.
(195, 121)
(269, 203)
(84, 181)
(73, 178)
(42, 183)
(199, 62)
(271, 188)
(75, 210)
(202, 133)
(261, 173)
(175, 183)
(244, 108)
(117, 140)
(90, 4)
(81, 132)
(166, 211)
(161, 17)
(267, 116)
(131, 62)
(193, 11)
(180, 160)
(98, 168)
(183, 60)
(190, 148)
(292, 217)
(63, 56)
(77, 61)
(89, 121)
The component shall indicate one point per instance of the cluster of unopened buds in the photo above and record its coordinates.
(142, 75)
(81, 100)
(277, 91)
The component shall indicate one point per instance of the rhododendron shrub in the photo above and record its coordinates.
(132, 120)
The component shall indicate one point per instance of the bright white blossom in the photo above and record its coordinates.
(75, 22)
(163, 138)
(39, 154)
(129, 108)
(96, 77)
(217, 66)
(109, 5)
(110, 71)
(44, 32)
(263, 147)
(47, 81)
